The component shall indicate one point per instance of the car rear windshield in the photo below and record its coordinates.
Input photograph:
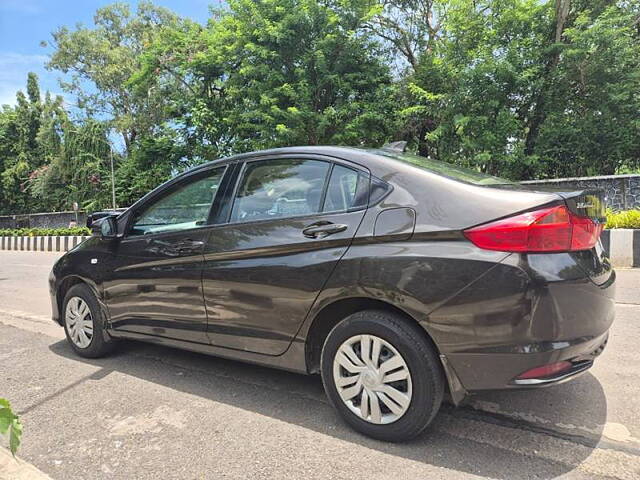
(447, 169)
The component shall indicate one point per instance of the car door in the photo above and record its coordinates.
(289, 221)
(155, 287)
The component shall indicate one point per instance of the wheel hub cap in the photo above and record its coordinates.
(79, 322)
(372, 379)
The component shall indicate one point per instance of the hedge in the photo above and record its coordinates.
(623, 219)
(43, 232)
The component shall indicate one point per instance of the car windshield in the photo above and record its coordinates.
(447, 169)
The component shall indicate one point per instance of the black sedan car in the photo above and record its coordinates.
(398, 278)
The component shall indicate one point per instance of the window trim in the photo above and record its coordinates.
(325, 187)
(292, 156)
(171, 188)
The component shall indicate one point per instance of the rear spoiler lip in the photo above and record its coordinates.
(571, 198)
(563, 192)
(567, 194)
(555, 196)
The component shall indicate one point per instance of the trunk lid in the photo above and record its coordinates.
(590, 203)
(587, 202)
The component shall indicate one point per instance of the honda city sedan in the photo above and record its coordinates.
(401, 280)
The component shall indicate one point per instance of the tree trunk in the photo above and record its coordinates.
(539, 114)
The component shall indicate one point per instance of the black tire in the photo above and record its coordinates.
(427, 377)
(101, 343)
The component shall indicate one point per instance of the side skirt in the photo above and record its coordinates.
(293, 360)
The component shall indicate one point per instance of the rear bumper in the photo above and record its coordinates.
(528, 311)
(491, 371)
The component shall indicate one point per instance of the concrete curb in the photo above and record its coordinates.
(623, 246)
(41, 244)
(17, 469)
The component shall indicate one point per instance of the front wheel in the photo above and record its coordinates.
(382, 375)
(84, 324)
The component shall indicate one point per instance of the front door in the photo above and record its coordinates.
(156, 287)
(288, 223)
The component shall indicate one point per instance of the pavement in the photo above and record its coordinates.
(150, 412)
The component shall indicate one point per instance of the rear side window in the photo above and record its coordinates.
(279, 188)
(347, 189)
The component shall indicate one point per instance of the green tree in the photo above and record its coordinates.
(100, 61)
(519, 88)
(8, 153)
(25, 156)
(276, 72)
(47, 160)
(81, 170)
(591, 116)
(152, 162)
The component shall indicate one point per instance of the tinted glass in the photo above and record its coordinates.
(347, 189)
(447, 169)
(279, 188)
(187, 207)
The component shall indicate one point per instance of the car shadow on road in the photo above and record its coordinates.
(508, 435)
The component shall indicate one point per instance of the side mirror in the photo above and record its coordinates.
(106, 228)
(109, 227)
(94, 218)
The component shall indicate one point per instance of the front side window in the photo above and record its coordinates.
(279, 188)
(184, 208)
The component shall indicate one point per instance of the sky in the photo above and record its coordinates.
(25, 23)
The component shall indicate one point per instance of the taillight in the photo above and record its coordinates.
(550, 229)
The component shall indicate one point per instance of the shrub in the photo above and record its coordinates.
(43, 232)
(623, 219)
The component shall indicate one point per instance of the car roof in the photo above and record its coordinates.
(357, 155)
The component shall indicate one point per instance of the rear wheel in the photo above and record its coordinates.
(382, 375)
(84, 324)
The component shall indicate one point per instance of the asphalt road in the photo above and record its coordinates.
(152, 412)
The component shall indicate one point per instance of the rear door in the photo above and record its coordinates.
(289, 220)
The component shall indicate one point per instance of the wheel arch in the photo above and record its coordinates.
(65, 285)
(333, 313)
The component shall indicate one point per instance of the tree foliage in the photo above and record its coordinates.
(517, 88)
(100, 60)
(49, 161)
(273, 73)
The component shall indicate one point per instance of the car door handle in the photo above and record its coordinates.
(323, 229)
(189, 245)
